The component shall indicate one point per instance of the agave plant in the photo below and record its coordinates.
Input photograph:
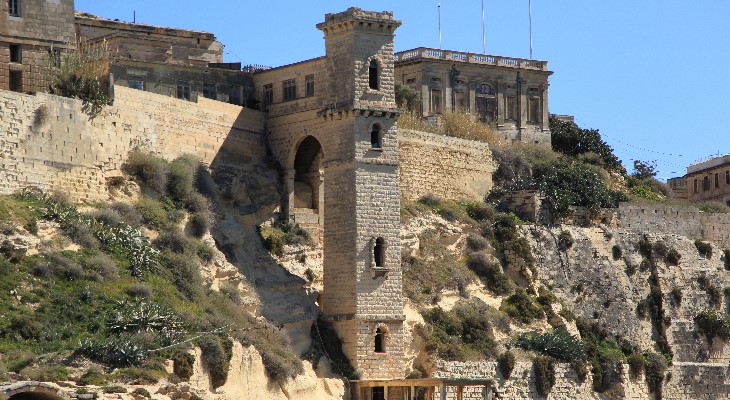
(141, 316)
(120, 352)
(130, 241)
(558, 344)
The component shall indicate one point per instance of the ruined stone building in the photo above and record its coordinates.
(708, 180)
(510, 93)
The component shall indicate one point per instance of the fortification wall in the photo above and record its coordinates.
(445, 166)
(683, 221)
(50, 142)
(689, 381)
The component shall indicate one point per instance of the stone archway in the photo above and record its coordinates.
(305, 184)
(32, 390)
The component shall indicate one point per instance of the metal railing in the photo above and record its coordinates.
(471, 58)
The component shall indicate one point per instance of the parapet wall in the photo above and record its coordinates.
(689, 381)
(445, 166)
(51, 143)
(683, 221)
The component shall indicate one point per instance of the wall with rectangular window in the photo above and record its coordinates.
(210, 91)
(289, 89)
(14, 8)
(309, 86)
(136, 81)
(183, 90)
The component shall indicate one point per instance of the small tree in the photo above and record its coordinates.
(406, 97)
(644, 170)
(81, 74)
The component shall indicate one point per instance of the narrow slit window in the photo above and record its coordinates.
(379, 340)
(373, 75)
(309, 86)
(376, 140)
(727, 177)
(717, 180)
(379, 252)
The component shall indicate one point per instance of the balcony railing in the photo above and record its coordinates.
(471, 58)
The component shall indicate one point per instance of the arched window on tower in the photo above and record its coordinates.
(376, 140)
(373, 75)
(380, 340)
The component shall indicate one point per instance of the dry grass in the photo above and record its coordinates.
(455, 124)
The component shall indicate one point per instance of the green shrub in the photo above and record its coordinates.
(714, 295)
(616, 252)
(81, 74)
(521, 248)
(673, 257)
(642, 308)
(580, 368)
(661, 249)
(139, 291)
(51, 373)
(184, 272)
(216, 356)
(284, 233)
(114, 389)
(506, 363)
(182, 173)
(676, 294)
(522, 307)
(153, 213)
(654, 368)
(25, 327)
(712, 323)
(103, 266)
(183, 365)
(142, 392)
(200, 223)
(704, 248)
(490, 273)
(567, 184)
(557, 344)
(565, 240)
(476, 243)
(544, 368)
(149, 169)
(571, 140)
(92, 376)
(32, 226)
(480, 212)
(462, 333)
(128, 214)
(430, 200)
(644, 247)
(636, 364)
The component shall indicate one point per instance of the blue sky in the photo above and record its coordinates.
(651, 75)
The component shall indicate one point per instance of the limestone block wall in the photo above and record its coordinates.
(688, 381)
(447, 167)
(50, 142)
(684, 221)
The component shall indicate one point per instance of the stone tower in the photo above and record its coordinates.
(362, 293)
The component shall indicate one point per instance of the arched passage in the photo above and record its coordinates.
(306, 190)
(36, 396)
(31, 390)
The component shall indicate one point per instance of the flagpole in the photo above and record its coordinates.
(484, 36)
(440, 47)
(530, 5)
